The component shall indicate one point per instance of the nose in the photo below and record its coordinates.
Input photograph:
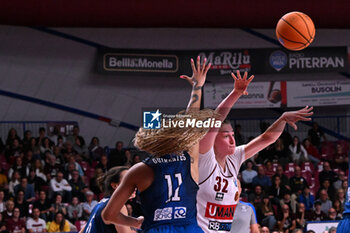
(232, 140)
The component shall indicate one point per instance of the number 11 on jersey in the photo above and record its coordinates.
(174, 197)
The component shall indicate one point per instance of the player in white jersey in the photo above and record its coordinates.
(220, 161)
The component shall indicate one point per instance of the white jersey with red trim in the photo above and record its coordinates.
(218, 191)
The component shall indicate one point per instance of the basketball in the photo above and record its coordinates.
(295, 31)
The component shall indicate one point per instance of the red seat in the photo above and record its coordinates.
(345, 145)
(85, 166)
(307, 166)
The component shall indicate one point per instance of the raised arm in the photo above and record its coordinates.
(276, 129)
(240, 88)
(113, 213)
(197, 81)
(199, 75)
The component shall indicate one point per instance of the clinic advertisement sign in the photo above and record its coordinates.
(261, 95)
(224, 61)
(318, 93)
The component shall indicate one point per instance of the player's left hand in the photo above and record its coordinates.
(301, 115)
(139, 222)
(241, 84)
(199, 73)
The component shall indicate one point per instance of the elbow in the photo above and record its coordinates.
(107, 217)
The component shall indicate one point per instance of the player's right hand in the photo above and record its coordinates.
(139, 221)
(241, 84)
(199, 73)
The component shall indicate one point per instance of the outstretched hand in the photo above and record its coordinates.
(241, 84)
(199, 73)
(301, 115)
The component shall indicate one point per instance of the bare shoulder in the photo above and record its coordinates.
(141, 175)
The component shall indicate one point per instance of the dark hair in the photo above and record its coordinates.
(62, 222)
(42, 129)
(298, 145)
(111, 176)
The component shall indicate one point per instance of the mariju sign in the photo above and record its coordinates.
(257, 61)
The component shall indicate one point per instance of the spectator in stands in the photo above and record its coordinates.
(266, 214)
(327, 173)
(35, 224)
(2, 225)
(27, 140)
(20, 167)
(51, 168)
(338, 183)
(43, 204)
(29, 194)
(326, 185)
(344, 185)
(312, 152)
(21, 203)
(89, 204)
(58, 206)
(136, 159)
(277, 190)
(81, 149)
(297, 182)
(94, 186)
(28, 159)
(340, 195)
(15, 180)
(332, 215)
(75, 210)
(59, 185)
(297, 230)
(300, 216)
(338, 208)
(8, 213)
(286, 220)
(262, 179)
(256, 196)
(326, 204)
(281, 153)
(307, 199)
(4, 184)
(317, 214)
(284, 178)
(2, 201)
(56, 133)
(290, 201)
(239, 137)
(68, 150)
(39, 170)
(60, 224)
(341, 159)
(248, 174)
(315, 135)
(77, 185)
(16, 224)
(298, 152)
(119, 156)
(35, 181)
(103, 163)
(34, 147)
(46, 145)
(13, 150)
(59, 157)
(76, 132)
(71, 159)
(95, 150)
(269, 169)
(11, 137)
(42, 135)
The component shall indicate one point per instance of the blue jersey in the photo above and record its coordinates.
(95, 223)
(347, 201)
(171, 198)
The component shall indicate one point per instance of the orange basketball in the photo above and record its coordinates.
(295, 30)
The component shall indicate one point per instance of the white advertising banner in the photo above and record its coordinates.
(320, 227)
(318, 93)
(261, 95)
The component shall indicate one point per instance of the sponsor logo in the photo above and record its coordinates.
(278, 60)
(221, 212)
(163, 214)
(140, 62)
(179, 212)
(219, 226)
(151, 120)
(219, 196)
(300, 61)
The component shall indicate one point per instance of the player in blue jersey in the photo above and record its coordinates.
(167, 180)
(344, 224)
(109, 182)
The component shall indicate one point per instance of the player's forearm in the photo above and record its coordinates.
(195, 100)
(121, 219)
(225, 106)
(275, 130)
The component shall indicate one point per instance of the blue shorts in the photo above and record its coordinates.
(344, 225)
(190, 228)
